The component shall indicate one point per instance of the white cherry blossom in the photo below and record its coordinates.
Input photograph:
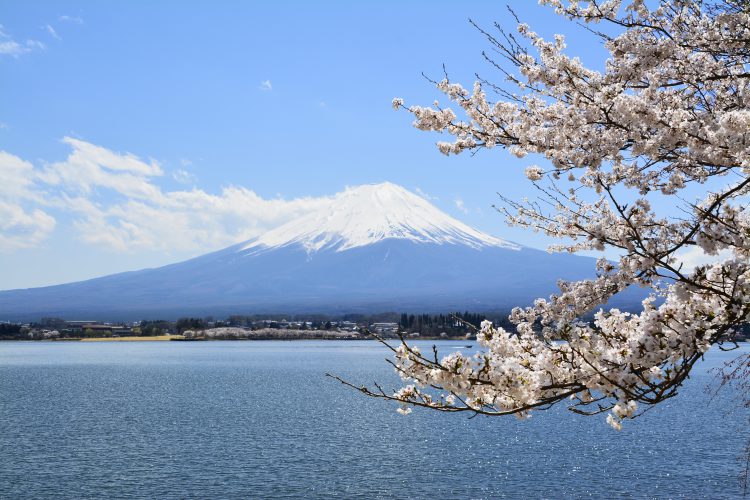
(669, 112)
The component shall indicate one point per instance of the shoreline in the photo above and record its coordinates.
(157, 338)
(181, 338)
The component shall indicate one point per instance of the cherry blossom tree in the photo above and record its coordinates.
(668, 116)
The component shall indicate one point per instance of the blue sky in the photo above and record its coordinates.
(223, 104)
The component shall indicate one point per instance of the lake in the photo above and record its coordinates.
(259, 419)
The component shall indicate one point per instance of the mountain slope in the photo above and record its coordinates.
(374, 248)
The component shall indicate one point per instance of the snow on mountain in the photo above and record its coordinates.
(370, 213)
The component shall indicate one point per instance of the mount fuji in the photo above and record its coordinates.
(373, 248)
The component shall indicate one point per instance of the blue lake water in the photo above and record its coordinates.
(260, 419)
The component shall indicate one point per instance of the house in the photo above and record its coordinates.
(384, 327)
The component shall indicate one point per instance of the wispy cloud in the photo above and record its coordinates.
(266, 85)
(71, 19)
(10, 47)
(34, 45)
(184, 177)
(424, 195)
(461, 206)
(49, 29)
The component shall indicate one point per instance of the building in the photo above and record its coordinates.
(384, 327)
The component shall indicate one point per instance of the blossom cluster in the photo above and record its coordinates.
(669, 113)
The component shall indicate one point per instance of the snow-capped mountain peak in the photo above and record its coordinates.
(370, 213)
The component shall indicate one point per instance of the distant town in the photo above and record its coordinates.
(355, 326)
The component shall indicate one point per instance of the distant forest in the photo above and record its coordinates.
(428, 325)
(457, 324)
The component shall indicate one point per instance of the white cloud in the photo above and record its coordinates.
(10, 47)
(52, 32)
(187, 220)
(22, 223)
(16, 177)
(16, 49)
(85, 152)
(91, 167)
(115, 202)
(266, 85)
(694, 257)
(22, 228)
(460, 205)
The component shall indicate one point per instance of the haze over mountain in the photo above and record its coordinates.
(373, 248)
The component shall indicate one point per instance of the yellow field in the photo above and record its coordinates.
(133, 339)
